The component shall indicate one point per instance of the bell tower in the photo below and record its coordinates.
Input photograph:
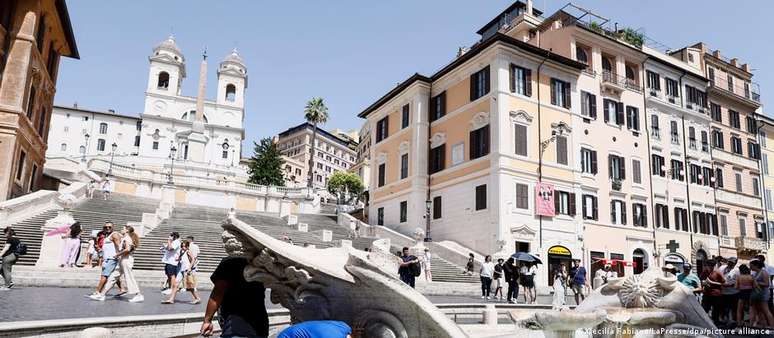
(232, 81)
(167, 68)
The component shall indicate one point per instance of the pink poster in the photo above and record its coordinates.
(544, 199)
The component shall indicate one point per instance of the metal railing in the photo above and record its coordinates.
(748, 90)
(655, 133)
(612, 77)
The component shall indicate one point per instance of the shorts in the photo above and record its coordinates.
(527, 281)
(171, 270)
(577, 288)
(108, 266)
(744, 294)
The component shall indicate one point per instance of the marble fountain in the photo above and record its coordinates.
(362, 289)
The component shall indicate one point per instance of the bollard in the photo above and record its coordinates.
(490, 315)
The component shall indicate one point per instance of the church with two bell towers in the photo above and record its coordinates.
(202, 135)
(200, 130)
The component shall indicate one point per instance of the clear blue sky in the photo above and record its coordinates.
(348, 52)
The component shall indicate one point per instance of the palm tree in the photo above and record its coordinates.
(315, 113)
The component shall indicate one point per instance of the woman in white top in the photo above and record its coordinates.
(426, 265)
(129, 242)
(560, 278)
(189, 279)
(527, 275)
(486, 272)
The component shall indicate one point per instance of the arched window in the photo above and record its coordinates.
(103, 128)
(63, 147)
(82, 150)
(580, 55)
(630, 72)
(230, 93)
(607, 66)
(163, 80)
(225, 149)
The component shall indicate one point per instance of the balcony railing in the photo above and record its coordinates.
(675, 138)
(704, 146)
(692, 143)
(748, 90)
(609, 77)
(616, 184)
(750, 244)
(655, 133)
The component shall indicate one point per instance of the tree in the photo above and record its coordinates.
(345, 186)
(315, 113)
(265, 166)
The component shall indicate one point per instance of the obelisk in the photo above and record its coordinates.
(196, 140)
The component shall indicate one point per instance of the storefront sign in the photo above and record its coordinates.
(544, 199)
(559, 250)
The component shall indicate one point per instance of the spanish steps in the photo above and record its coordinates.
(204, 223)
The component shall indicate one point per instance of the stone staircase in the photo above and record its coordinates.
(445, 271)
(92, 213)
(204, 223)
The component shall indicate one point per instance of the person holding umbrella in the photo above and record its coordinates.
(528, 271)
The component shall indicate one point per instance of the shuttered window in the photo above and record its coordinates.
(560, 93)
(404, 166)
(479, 142)
(588, 105)
(438, 107)
(481, 197)
(564, 203)
(437, 158)
(382, 171)
(521, 80)
(479, 84)
(403, 211)
(382, 127)
(522, 196)
(636, 171)
(590, 207)
(405, 116)
(561, 150)
(588, 161)
(437, 207)
(520, 133)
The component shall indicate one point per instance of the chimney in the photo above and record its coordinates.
(734, 61)
(716, 53)
(746, 67)
(75, 105)
(529, 7)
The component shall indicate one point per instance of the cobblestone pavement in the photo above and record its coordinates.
(41, 303)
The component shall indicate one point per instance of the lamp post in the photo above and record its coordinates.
(112, 155)
(172, 166)
(85, 147)
(428, 206)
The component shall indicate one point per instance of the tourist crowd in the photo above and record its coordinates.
(113, 251)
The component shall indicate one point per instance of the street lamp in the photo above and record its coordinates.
(172, 166)
(428, 206)
(85, 147)
(112, 154)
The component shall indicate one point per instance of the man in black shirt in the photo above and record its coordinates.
(240, 304)
(405, 272)
(8, 257)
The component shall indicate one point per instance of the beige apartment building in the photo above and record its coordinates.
(334, 152)
(766, 141)
(732, 99)
(33, 35)
(460, 153)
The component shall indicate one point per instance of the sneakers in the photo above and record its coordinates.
(482, 297)
(5, 288)
(487, 297)
(138, 298)
(120, 294)
(166, 292)
(97, 297)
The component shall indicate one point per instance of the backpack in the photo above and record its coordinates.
(21, 249)
(416, 269)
